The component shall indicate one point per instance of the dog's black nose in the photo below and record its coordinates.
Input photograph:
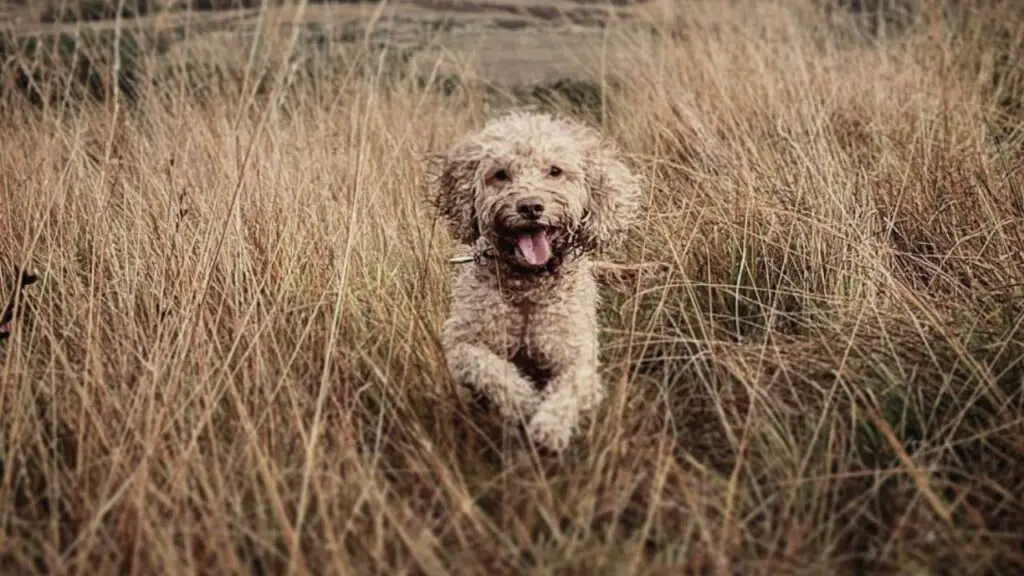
(530, 208)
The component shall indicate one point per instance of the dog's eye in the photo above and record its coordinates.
(500, 176)
(555, 172)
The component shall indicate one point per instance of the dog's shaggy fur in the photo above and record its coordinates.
(534, 195)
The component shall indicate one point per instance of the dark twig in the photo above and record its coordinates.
(24, 279)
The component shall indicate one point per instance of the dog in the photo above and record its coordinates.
(535, 196)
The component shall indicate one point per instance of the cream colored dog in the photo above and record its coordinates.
(534, 195)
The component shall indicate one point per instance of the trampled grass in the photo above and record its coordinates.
(230, 363)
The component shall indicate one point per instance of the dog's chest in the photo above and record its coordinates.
(527, 348)
(540, 326)
(543, 335)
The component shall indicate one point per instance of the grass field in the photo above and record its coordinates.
(230, 363)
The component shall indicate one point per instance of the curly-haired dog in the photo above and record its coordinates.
(534, 195)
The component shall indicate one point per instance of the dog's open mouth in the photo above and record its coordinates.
(533, 247)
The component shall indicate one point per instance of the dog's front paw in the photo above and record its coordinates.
(549, 432)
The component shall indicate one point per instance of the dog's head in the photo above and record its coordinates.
(536, 187)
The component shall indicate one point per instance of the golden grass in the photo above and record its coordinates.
(231, 361)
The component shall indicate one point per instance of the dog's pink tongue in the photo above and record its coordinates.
(535, 248)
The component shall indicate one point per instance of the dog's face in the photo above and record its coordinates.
(535, 187)
(531, 198)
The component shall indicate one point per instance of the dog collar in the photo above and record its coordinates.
(487, 254)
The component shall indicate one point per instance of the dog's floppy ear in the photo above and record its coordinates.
(453, 183)
(614, 195)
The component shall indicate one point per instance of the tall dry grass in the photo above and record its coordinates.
(231, 363)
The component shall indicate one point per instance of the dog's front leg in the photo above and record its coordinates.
(570, 393)
(498, 379)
